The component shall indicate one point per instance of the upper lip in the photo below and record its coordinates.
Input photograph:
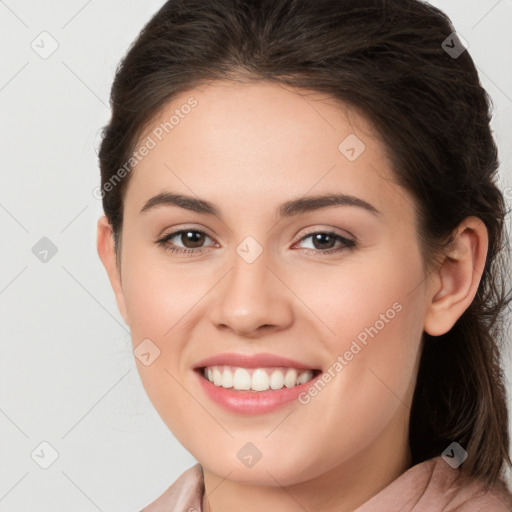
(262, 360)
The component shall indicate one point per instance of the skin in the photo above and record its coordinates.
(247, 148)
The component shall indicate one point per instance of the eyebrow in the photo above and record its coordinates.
(287, 209)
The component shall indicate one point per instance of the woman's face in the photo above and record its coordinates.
(339, 287)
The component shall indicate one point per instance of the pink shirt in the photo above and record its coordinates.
(430, 486)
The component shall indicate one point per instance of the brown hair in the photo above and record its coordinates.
(387, 59)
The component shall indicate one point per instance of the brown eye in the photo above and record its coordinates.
(186, 241)
(192, 239)
(327, 242)
(323, 241)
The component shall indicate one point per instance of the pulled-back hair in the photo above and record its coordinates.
(390, 60)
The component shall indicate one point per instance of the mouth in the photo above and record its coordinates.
(256, 380)
(253, 390)
(251, 384)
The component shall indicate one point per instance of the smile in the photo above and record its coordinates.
(256, 383)
(257, 379)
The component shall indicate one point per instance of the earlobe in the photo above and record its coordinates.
(458, 277)
(106, 252)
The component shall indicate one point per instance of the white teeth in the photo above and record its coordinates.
(227, 378)
(277, 379)
(290, 378)
(242, 379)
(257, 379)
(260, 380)
(304, 377)
(217, 377)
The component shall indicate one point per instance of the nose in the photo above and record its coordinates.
(251, 299)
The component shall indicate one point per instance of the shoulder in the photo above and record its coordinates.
(429, 486)
(184, 495)
(434, 486)
(467, 495)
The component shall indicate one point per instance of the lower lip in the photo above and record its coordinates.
(252, 402)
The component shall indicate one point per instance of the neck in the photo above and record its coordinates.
(341, 489)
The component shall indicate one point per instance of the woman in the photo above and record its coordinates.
(363, 375)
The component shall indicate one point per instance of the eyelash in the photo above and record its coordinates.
(164, 242)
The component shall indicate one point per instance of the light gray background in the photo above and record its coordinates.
(67, 374)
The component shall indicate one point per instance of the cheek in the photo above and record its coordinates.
(374, 308)
(373, 354)
(160, 300)
(364, 297)
(374, 315)
(159, 294)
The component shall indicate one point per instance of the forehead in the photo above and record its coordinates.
(260, 140)
(226, 112)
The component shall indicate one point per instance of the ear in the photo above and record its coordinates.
(106, 252)
(456, 280)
